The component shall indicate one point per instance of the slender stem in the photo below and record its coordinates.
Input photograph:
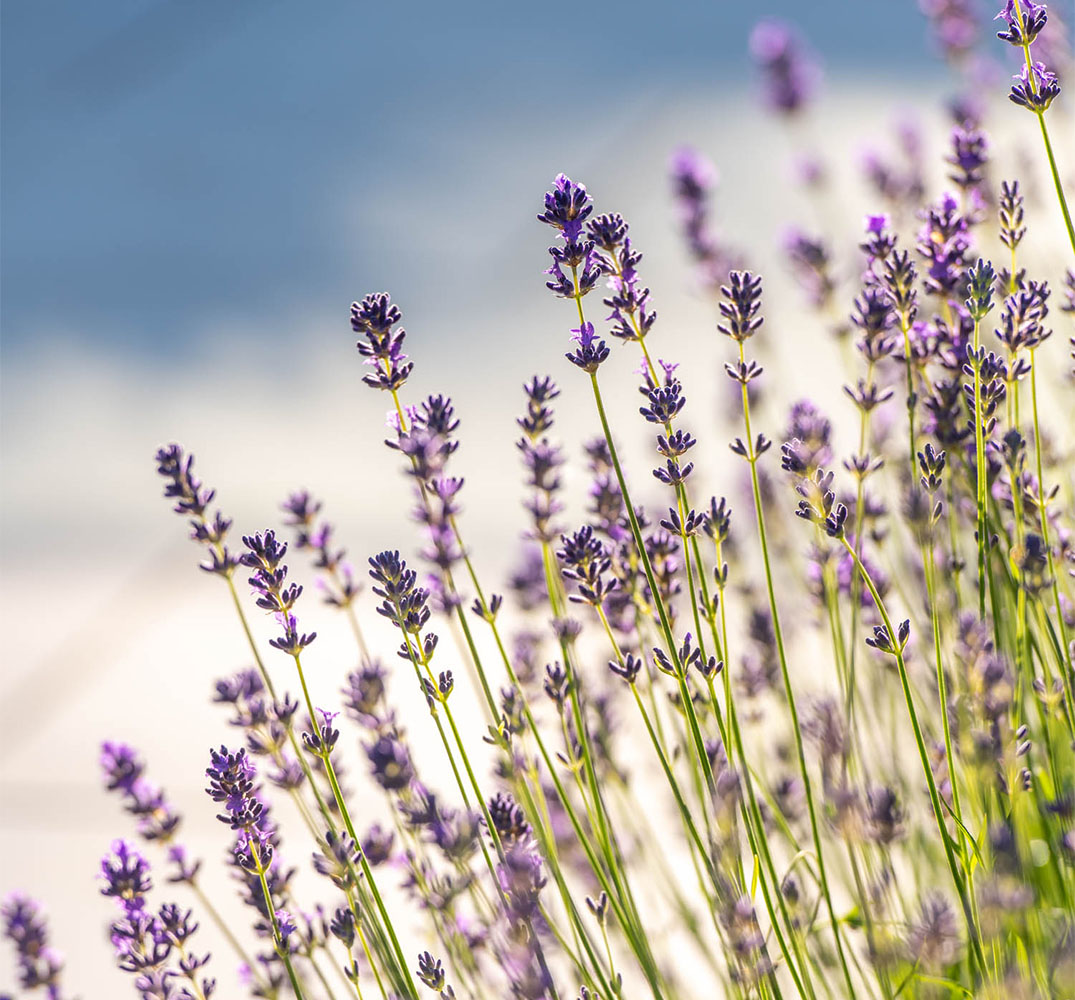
(281, 946)
(980, 467)
(1056, 179)
(796, 728)
(942, 693)
(1065, 659)
(923, 755)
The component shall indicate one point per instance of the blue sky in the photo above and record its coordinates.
(170, 165)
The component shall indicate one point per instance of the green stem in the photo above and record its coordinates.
(796, 729)
(278, 941)
(980, 468)
(341, 803)
(935, 799)
(1065, 659)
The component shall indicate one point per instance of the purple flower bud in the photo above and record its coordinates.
(567, 206)
(790, 73)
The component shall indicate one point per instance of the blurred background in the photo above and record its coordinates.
(193, 194)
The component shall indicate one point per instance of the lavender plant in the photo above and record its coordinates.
(725, 750)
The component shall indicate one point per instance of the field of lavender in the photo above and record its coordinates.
(812, 736)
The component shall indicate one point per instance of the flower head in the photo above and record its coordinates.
(739, 306)
(375, 318)
(125, 875)
(25, 926)
(1034, 88)
(1023, 21)
(789, 72)
(591, 352)
(567, 207)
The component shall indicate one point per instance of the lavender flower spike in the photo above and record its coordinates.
(39, 965)
(1035, 90)
(790, 73)
(375, 318)
(591, 352)
(567, 207)
(1024, 22)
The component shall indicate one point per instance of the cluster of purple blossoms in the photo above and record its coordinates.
(968, 159)
(810, 431)
(264, 555)
(266, 723)
(632, 318)
(520, 873)
(152, 947)
(955, 25)
(316, 535)
(693, 180)
(790, 73)
(233, 785)
(899, 181)
(375, 318)
(428, 441)
(567, 207)
(587, 562)
(123, 771)
(192, 500)
(406, 605)
(944, 242)
(39, 965)
(543, 460)
(811, 263)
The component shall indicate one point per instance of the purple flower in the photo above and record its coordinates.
(591, 352)
(969, 156)
(944, 241)
(324, 737)
(790, 73)
(311, 533)
(811, 261)
(1022, 30)
(402, 602)
(125, 874)
(431, 971)
(740, 306)
(630, 303)
(543, 461)
(567, 206)
(390, 763)
(264, 556)
(1010, 212)
(231, 781)
(375, 318)
(587, 562)
(1034, 91)
(521, 879)
(955, 24)
(121, 765)
(364, 695)
(933, 939)
(812, 432)
(693, 179)
(192, 500)
(24, 925)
